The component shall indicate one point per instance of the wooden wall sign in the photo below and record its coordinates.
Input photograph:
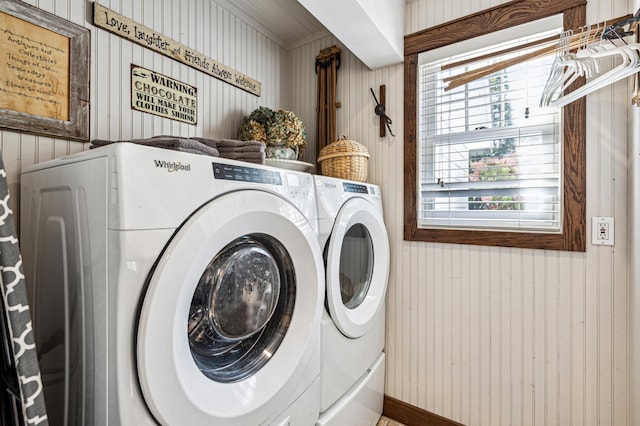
(161, 95)
(44, 69)
(36, 68)
(137, 33)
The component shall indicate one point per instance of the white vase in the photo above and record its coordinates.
(278, 149)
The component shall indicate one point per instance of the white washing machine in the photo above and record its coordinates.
(173, 288)
(352, 232)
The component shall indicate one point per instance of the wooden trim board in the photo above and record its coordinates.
(411, 415)
(137, 33)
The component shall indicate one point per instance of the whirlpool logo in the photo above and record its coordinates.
(173, 166)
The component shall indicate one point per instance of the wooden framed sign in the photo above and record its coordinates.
(137, 33)
(158, 94)
(44, 69)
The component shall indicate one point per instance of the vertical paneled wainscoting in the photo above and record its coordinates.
(202, 25)
(634, 262)
(497, 336)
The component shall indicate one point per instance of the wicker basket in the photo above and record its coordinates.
(345, 159)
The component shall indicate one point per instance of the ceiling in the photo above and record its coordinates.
(369, 30)
(286, 21)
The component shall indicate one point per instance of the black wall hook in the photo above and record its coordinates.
(380, 111)
(618, 29)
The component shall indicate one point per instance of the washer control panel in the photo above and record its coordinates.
(246, 174)
(291, 184)
(299, 185)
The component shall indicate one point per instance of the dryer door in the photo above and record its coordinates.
(357, 267)
(230, 322)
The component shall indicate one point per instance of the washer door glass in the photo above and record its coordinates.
(356, 265)
(241, 308)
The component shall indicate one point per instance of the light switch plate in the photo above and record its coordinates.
(602, 231)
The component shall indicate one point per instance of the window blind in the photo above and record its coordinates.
(489, 156)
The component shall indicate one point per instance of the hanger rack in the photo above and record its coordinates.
(571, 64)
(575, 41)
(617, 30)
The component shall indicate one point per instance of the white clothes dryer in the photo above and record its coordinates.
(352, 232)
(173, 288)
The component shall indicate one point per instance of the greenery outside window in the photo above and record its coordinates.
(483, 164)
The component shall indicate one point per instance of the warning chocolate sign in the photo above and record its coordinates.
(161, 95)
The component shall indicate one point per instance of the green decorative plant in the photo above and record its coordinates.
(495, 169)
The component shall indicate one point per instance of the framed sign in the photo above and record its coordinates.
(146, 37)
(164, 96)
(44, 64)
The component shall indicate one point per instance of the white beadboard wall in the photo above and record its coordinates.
(498, 336)
(200, 24)
(634, 270)
(634, 263)
(484, 336)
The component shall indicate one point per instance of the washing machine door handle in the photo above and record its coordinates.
(357, 267)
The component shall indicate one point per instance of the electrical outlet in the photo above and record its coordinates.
(602, 231)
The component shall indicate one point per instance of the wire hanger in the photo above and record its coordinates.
(585, 63)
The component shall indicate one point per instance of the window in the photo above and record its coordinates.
(489, 155)
(483, 163)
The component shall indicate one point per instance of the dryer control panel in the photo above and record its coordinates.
(355, 187)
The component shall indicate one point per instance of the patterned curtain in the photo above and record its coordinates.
(22, 400)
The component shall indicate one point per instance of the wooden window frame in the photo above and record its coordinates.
(573, 234)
